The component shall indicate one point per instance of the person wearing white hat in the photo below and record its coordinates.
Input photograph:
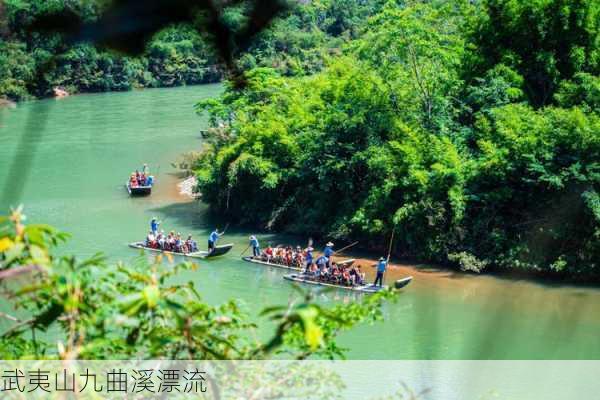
(381, 266)
(255, 246)
(328, 252)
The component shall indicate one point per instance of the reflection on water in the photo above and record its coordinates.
(87, 145)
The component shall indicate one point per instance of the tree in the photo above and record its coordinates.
(418, 51)
(545, 41)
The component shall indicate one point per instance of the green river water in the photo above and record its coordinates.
(80, 150)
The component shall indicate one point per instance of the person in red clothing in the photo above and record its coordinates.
(269, 253)
(133, 182)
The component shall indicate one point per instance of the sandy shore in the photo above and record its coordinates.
(7, 103)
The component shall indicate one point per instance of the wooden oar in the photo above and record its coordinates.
(345, 248)
(245, 250)
(225, 230)
(387, 261)
(162, 222)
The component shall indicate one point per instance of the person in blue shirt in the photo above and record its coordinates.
(328, 252)
(381, 266)
(255, 246)
(322, 262)
(308, 258)
(212, 239)
(149, 180)
(154, 225)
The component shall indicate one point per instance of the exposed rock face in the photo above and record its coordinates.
(187, 187)
(60, 92)
(7, 103)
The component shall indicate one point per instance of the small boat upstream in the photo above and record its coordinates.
(140, 183)
(138, 190)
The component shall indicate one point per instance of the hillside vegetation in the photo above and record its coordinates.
(32, 62)
(473, 129)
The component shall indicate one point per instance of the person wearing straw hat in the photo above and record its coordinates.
(381, 266)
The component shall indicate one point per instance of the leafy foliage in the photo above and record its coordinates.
(470, 128)
(545, 41)
(32, 64)
(145, 310)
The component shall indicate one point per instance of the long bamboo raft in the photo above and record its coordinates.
(276, 265)
(219, 251)
(302, 278)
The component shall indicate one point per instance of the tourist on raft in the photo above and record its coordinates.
(191, 244)
(322, 262)
(268, 254)
(172, 242)
(213, 238)
(143, 178)
(255, 246)
(322, 269)
(336, 274)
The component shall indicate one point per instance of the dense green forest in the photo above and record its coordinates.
(471, 128)
(32, 63)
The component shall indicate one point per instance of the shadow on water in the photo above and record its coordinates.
(193, 215)
(196, 216)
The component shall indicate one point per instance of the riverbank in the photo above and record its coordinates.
(400, 269)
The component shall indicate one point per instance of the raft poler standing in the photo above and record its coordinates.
(212, 239)
(308, 258)
(328, 252)
(255, 246)
(154, 224)
(381, 266)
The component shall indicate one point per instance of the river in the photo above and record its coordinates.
(80, 150)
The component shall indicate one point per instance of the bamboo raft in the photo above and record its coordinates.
(370, 289)
(219, 251)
